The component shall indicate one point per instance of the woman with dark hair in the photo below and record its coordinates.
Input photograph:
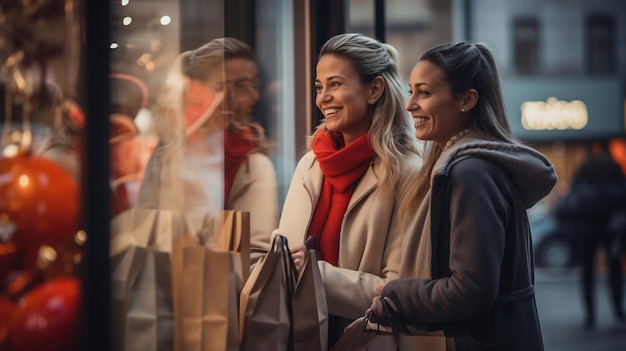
(467, 260)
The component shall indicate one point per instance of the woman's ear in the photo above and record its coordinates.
(377, 87)
(470, 99)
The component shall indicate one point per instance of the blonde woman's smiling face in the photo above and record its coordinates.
(341, 97)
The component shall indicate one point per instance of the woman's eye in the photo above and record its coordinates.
(318, 88)
(423, 92)
(334, 84)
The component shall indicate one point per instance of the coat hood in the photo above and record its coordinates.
(529, 171)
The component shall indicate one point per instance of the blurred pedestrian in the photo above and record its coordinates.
(597, 192)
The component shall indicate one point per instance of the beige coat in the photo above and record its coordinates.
(171, 184)
(369, 247)
(254, 189)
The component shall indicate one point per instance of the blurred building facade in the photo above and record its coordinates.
(562, 63)
(563, 71)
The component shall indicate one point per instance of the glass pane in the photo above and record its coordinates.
(208, 136)
(145, 41)
(276, 107)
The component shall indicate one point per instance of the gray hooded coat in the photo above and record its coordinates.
(468, 267)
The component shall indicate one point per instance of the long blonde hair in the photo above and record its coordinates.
(391, 134)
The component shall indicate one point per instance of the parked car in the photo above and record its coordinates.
(553, 242)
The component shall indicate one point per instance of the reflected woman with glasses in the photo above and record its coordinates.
(210, 146)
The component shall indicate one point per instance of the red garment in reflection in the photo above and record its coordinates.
(237, 146)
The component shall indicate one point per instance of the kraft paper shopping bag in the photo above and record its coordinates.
(361, 335)
(265, 304)
(208, 276)
(310, 309)
(142, 312)
(233, 234)
(211, 282)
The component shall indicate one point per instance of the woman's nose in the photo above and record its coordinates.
(324, 96)
(411, 105)
(255, 95)
(229, 96)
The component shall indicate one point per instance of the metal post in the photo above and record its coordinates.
(379, 19)
(95, 333)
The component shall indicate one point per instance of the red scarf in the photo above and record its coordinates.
(237, 146)
(342, 169)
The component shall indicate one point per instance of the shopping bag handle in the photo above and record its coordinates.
(280, 244)
(395, 322)
(312, 243)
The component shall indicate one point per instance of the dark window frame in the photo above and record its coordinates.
(600, 53)
(526, 44)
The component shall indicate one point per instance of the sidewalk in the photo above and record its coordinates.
(560, 306)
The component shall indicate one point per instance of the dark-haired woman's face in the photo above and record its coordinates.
(435, 110)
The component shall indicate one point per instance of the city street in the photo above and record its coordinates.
(560, 307)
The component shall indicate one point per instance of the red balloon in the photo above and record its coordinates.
(39, 204)
(47, 318)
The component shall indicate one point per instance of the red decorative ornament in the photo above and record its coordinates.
(39, 204)
(7, 307)
(47, 318)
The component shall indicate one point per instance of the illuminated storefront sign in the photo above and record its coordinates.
(545, 109)
(554, 114)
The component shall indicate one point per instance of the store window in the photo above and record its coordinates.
(282, 57)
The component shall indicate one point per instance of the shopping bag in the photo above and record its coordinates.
(211, 282)
(265, 303)
(363, 335)
(208, 277)
(142, 315)
(179, 243)
(374, 338)
(234, 235)
(310, 310)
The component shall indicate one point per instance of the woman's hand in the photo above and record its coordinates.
(297, 253)
(378, 313)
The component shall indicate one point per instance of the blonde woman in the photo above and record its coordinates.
(344, 190)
